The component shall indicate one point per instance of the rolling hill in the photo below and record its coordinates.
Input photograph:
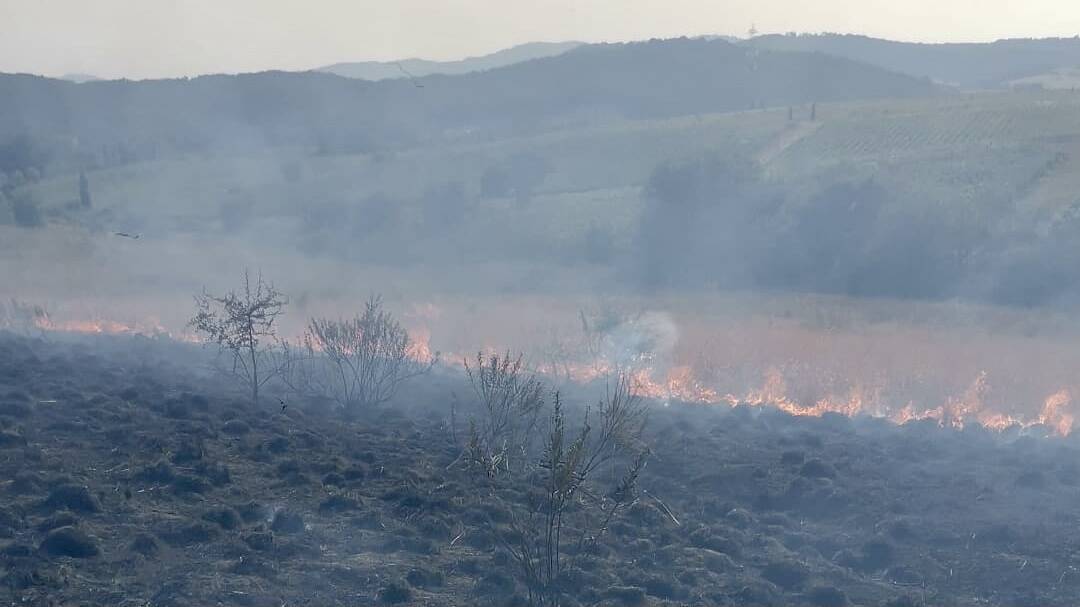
(989, 179)
(594, 84)
(552, 162)
(416, 68)
(968, 65)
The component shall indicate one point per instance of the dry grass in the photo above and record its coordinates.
(822, 346)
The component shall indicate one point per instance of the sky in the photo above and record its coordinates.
(170, 38)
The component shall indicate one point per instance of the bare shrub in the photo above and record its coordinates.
(622, 415)
(355, 363)
(242, 325)
(563, 523)
(511, 401)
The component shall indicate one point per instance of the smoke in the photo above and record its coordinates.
(647, 340)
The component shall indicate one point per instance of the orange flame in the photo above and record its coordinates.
(682, 384)
(678, 383)
(151, 327)
(1053, 413)
(419, 348)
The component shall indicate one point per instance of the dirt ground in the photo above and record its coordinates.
(131, 476)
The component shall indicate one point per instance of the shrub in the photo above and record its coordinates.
(511, 401)
(242, 324)
(356, 363)
(569, 514)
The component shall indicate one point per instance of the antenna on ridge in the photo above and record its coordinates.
(753, 30)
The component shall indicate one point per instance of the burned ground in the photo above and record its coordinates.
(130, 476)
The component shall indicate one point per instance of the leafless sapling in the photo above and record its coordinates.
(242, 324)
(571, 513)
(511, 402)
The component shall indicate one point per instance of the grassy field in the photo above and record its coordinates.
(978, 153)
(1005, 162)
(896, 352)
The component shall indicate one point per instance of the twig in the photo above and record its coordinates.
(664, 507)
(453, 417)
(459, 536)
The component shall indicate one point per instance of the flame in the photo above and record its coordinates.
(1053, 413)
(774, 393)
(151, 327)
(678, 383)
(419, 348)
(955, 413)
(681, 383)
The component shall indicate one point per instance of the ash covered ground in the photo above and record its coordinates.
(134, 476)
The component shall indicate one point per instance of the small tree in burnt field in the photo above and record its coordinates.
(355, 363)
(511, 401)
(568, 515)
(242, 324)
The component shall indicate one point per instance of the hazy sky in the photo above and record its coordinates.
(157, 38)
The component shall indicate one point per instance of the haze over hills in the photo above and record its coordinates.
(969, 65)
(789, 170)
(386, 70)
(590, 85)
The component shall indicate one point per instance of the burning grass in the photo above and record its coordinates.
(954, 364)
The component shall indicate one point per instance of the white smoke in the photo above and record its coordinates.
(647, 340)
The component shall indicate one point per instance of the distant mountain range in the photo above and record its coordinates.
(591, 84)
(416, 68)
(967, 65)
(977, 65)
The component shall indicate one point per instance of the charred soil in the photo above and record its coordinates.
(131, 480)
